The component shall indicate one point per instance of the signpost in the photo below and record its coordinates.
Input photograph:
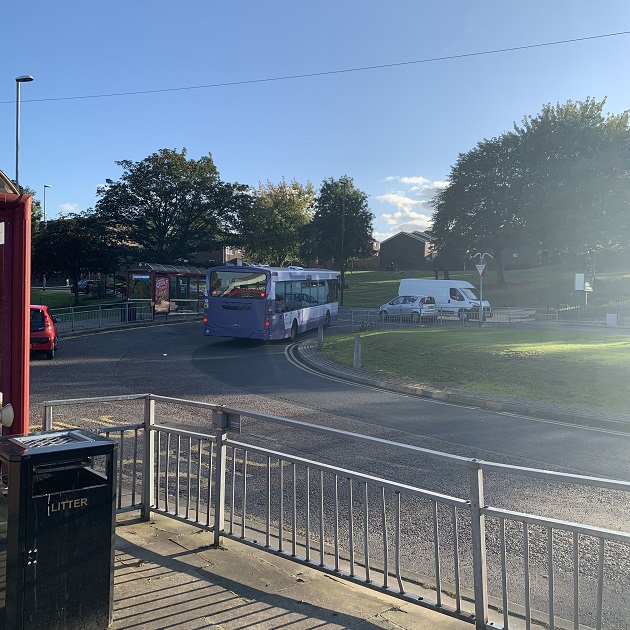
(481, 269)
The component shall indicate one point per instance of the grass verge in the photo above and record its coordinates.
(585, 369)
(65, 299)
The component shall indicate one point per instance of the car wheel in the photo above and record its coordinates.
(294, 330)
(415, 318)
(383, 315)
(50, 353)
(327, 320)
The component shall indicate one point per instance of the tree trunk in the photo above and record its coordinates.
(498, 261)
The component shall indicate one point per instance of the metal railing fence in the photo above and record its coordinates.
(74, 318)
(485, 564)
(79, 318)
(363, 320)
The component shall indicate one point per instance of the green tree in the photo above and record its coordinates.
(75, 245)
(169, 206)
(561, 179)
(342, 225)
(36, 211)
(480, 209)
(576, 165)
(270, 228)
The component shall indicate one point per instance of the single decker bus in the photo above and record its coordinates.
(261, 302)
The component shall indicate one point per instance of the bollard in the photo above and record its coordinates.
(357, 352)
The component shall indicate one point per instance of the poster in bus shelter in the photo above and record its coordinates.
(161, 294)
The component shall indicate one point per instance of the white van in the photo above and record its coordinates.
(452, 297)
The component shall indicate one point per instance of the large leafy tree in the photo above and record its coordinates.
(269, 229)
(168, 205)
(562, 179)
(74, 245)
(341, 209)
(576, 163)
(480, 208)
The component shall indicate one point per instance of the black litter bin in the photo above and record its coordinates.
(57, 518)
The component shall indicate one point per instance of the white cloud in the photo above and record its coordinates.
(414, 180)
(401, 201)
(69, 207)
(411, 201)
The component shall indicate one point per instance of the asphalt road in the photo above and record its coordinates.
(176, 360)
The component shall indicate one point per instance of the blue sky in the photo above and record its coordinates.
(396, 131)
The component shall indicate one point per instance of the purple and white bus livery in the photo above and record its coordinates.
(260, 302)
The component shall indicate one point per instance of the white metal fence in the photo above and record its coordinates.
(455, 553)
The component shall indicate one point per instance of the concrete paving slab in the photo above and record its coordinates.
(168, 575)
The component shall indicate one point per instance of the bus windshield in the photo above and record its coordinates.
(236, 284)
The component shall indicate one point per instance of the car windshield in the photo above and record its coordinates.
(37, 321)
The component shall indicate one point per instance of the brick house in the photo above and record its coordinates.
(407, 250)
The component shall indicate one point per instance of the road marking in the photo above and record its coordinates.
(291, 354)
(565, 424)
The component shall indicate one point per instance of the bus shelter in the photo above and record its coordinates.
(169, 288)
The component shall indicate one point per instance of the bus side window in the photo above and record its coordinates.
(281, 304)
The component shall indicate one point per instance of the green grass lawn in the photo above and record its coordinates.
(539, 287)
(65, 299)
(586, 369)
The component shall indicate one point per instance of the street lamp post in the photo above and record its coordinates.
(45, 224)
(344, 183)
(23, 79)
(45, 219)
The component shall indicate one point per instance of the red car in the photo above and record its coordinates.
(43, 332)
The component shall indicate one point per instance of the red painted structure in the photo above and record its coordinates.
(15, 296)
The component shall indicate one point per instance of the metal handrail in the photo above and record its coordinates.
(317, 513)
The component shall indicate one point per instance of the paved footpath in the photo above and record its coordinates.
(168, 575)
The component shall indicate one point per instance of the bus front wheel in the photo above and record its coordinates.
(294, 331)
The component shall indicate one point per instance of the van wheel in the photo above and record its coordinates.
(415, 318)
(327, 319)
(294, 331)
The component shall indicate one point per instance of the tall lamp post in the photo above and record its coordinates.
(344, 183)
(45, 224)
(18, 80)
